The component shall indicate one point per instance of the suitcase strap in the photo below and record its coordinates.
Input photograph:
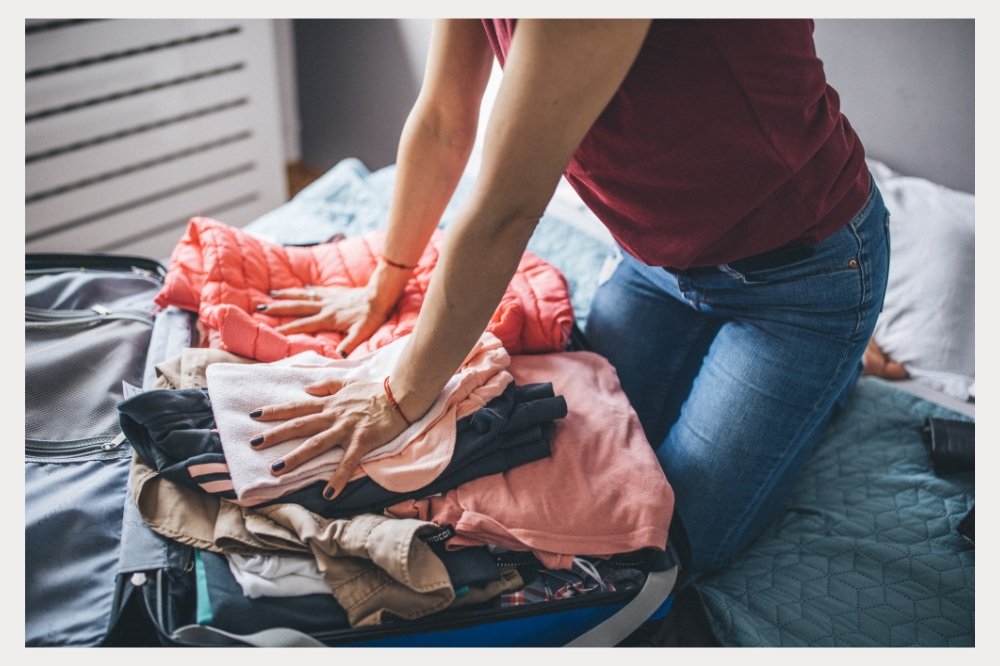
(196, 634)
(656, 589)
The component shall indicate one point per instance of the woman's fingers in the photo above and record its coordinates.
(356, 335)
(300, 426)
(326, 387)
(877, 363)
(288, 410)
(317, 322)
(295, 308)
(353, 454)
(303, 294)
(894, 370)
(312, 447)
(352, 415)
(348, 310)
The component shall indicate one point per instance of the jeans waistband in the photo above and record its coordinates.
(771, 259)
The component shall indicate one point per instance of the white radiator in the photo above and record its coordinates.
(132, 126)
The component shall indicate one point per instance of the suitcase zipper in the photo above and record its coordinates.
(39, 318)
(77, 449)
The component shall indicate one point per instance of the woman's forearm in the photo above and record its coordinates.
(432, 154)
(430, 161)
(545, 105)
(477, 262)
(434, 146)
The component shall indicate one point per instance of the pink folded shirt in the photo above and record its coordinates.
(601, 492)
(410, 461)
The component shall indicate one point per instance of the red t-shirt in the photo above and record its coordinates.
(724, 141)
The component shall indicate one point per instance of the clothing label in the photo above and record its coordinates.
(446, 532)
(128, 390)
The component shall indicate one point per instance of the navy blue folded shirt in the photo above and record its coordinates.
(173, 431)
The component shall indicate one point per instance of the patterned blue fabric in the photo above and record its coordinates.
(865, 552)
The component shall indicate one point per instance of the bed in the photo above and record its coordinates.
(866, 551)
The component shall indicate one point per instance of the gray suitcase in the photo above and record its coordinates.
(96, 575)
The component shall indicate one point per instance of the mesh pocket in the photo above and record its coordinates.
(73, 378)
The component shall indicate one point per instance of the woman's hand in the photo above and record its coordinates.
(354, 311)
(877, 363)
(357, 416)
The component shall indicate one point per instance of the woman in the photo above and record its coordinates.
(754, 245)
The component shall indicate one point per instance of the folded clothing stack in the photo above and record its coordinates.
(174, 432)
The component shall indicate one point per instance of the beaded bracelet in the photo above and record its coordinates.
(396, 264)
(395, 405)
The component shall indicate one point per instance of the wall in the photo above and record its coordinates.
(908, 87)
(291, 128)
(357, 80)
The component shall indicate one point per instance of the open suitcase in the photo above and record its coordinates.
(96, 575)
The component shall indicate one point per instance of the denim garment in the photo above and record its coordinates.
(735, 370)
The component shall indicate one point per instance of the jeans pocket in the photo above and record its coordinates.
(828, 256)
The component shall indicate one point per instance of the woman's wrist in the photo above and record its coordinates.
(411, 403)
(386, 286)
(398, 265)
(393, 402)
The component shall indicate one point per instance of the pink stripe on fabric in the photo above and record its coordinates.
(208, 468)
(217, 486)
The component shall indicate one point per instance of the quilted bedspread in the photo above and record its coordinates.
(865, 553)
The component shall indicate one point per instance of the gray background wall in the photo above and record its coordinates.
(357, 79)
(907, 85)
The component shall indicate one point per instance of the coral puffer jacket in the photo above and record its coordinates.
(223, 273)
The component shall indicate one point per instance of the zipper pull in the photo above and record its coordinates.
(147, 273)
(115, 443)
(101, 310)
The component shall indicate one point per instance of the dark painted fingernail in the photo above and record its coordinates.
(342, 354)
(277, 465)
(257, 441)
(328, 493)
(261, 308)
(255, 413)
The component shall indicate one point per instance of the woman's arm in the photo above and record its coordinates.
(559, 76)
(434, 148)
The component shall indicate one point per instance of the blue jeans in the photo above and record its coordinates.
(735, 370)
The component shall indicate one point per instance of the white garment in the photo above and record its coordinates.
(410, 461)
(928, 320)
(276, 575)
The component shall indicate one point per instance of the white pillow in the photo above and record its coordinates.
(928, 320)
